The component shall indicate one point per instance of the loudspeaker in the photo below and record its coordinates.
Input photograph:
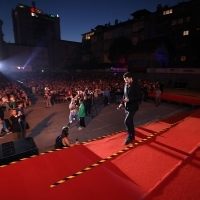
(16, 150)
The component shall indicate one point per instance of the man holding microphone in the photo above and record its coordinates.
(130, 102)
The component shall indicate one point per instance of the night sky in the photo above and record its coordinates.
(80, 16)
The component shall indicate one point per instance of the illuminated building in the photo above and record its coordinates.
(32, 27)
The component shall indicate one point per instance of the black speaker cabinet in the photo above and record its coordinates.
(16, 150)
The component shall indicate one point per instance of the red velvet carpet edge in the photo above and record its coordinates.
(176, 98)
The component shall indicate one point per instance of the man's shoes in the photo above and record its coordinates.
(128, 141)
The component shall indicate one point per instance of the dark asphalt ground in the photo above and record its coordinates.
(46, 123)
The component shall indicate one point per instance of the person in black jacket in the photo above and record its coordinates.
(130, 101)
(1, 110)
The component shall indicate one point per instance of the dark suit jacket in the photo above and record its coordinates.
(134, 96)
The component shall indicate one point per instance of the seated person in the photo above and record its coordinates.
(62, 140)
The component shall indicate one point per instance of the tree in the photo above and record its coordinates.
(118, 50)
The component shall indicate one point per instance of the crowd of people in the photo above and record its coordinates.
(61, 87)
(13, 99)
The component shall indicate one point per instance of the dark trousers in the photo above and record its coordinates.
(22, 133)
(105, 101)
(82, 121)
(88, 106)
(129, 124)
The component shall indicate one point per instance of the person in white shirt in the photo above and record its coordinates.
(157, 96)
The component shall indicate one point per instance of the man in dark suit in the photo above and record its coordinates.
(130, 101)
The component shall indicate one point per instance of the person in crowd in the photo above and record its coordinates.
(161, 85)
(130, 102)
(106, 95)
(48, 100)
(3, 128)
(118, 96)
(1, 109)
(73, 112)
(6, 102)
(26, 100)
(33, 89)
(13, 103)
(112, 95)
(22, 120)
(145, 92)
(81, 114)
(88, 103)
(15, 125)
(157, 96)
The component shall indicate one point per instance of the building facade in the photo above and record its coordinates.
(178, 26)
(34, 28)
(2, 51)
(181, 23)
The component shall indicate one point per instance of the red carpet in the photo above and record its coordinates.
(177, 98)
(151, 169)
(183, 183)
(148, 164)
(33, 177)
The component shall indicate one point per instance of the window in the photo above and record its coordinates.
(174, 22)
(167, 12)
(186, 32)
(183, 58)
(34, 15)
(87, 37)
(180, 21)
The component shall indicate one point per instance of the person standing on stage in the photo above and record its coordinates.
(130, 102)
